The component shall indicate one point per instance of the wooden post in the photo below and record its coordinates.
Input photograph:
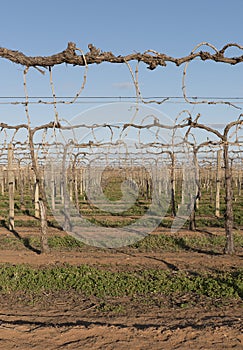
(182, 186)
(11, 187)
(81, 181)
(218, 181)
(211, 183)
(70, 181)
(62, 190)
(66, 196)
(239, 180)
(53, 188)
(197, 178)
(173, 184)
(36, 199)
(43, 222)
(5, 179)
(192, 218)
(21, 185)
(229, 217)
(2, 180)
(75, 175)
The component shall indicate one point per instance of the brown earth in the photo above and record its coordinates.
(70, 321)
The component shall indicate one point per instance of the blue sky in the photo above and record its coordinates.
(172, 27)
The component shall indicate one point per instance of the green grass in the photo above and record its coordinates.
(102, 283)
(159, 242)
(66, 242)
(165, 242)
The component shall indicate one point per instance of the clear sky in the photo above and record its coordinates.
(173, 27)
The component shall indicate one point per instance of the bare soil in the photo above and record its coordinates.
(70, 321)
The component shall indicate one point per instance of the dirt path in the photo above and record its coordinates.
(168, 329)
(190, 261)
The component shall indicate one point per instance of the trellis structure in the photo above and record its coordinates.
(35, 150)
